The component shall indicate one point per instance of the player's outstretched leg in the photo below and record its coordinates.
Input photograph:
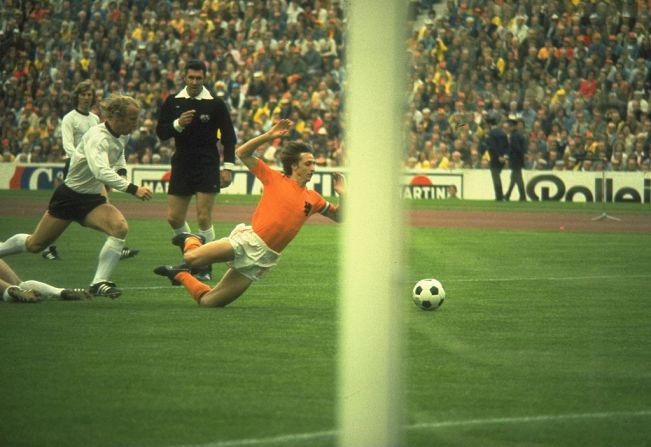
(18, 294)
(182, 275)
(190, 241)
(232, 285)
(170, 271)
(75, 294)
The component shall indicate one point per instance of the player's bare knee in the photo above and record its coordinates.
(119, 229)
(192, 259)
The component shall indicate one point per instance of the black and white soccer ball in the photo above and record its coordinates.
(428, 294)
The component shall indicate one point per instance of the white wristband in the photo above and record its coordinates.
(228, 165)
(177, 126)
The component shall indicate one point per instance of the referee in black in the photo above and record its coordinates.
(197, 120)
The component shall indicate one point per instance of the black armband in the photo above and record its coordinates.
(132, 189)
(122, 172)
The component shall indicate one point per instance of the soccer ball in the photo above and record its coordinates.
(428, 294)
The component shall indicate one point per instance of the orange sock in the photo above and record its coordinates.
(195, 287)
(191, 243)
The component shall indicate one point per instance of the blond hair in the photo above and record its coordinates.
(118, 105)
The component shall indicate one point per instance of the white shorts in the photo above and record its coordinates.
(252, 256)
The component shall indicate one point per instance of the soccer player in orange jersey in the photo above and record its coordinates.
(250, 251)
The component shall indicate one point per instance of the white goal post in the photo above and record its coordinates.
(370, 400)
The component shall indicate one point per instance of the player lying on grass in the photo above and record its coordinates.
(250, 251)
(12, 288)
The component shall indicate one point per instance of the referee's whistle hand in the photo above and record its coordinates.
(186, 117)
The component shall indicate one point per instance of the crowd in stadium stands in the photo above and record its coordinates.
(576, 73)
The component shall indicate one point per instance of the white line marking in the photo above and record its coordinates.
(548, 278)
(428, 426)
(530, 419)
(268, 441)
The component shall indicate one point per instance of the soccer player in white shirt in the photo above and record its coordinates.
(97, 162)
(73, 126)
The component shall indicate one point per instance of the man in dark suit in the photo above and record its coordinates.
(517, 151)
(497, 145)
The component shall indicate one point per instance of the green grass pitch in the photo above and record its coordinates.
(544, 340)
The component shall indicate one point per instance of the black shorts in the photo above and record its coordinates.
(187, 180)
(67, 204)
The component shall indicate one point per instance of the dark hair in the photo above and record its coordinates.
(195, 64)
(493, 118)
(291, 154)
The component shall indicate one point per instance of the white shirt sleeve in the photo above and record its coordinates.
(98, 163)
(177, 126)
(68, 135)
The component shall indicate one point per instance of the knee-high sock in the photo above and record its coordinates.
(195, 287)
(15, 244)
(46, 291)
(109, 256)
(191, 243)
(185, 228)
(208, 234)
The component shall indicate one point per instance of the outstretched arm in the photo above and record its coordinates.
(339, 184)
(245, 151)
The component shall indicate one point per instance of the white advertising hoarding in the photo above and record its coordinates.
(470, 184)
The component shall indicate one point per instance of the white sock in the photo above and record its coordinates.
(183, 229)
(5, 294)
(46, 291)
(109, 256)
(208, 234)
(15, 244)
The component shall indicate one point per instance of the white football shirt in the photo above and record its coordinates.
(73, 126)
(96, 160)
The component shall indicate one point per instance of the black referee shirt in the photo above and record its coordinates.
(198, 141)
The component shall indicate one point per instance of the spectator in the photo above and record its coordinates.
(497, 145)
(516, 157)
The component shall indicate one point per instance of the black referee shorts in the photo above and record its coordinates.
(188, 179)
(68, 204)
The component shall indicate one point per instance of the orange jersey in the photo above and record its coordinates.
(283, 208)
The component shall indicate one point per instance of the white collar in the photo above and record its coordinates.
(204, 94)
